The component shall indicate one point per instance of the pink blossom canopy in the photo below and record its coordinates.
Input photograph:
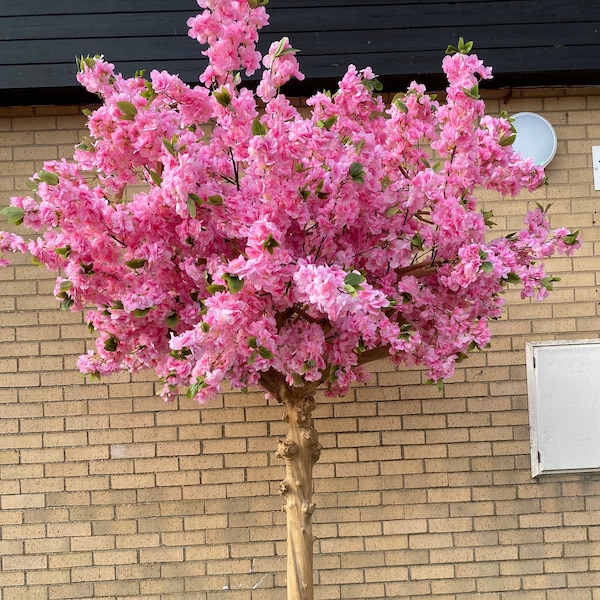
(213, 233)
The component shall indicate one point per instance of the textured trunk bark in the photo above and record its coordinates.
(300, 450)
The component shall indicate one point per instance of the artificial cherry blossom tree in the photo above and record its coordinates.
(266, 248)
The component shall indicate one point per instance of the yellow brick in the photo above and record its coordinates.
(65, 439)
(27, 500)
(12, 579)
(116, 588)
(161, 555)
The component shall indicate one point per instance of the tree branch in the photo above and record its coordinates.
(274, 382)
(421, 269)
(373, 354)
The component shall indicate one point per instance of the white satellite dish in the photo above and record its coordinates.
(536, 138)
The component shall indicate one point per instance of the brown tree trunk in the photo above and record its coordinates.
(300, 450)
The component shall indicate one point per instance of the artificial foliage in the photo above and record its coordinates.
(217, 233)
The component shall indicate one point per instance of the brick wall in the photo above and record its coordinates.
(107, 493)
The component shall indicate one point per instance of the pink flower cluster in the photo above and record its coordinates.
(231, 31)
(280, 66)
(252, 243)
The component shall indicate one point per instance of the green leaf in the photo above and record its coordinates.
(385, 182)
(507, 141)
(398, 102)
(461, 356)
(14, 214)
(450, 50)
(196, 387)
(67, 303)
(191, 206)
(215, 200)
(373, 85)
(487, 218)
(308, 364)
(282, 42)
(252, 343)
(405, 331)
(64, 251)
(472, 92)
(390, 211)
(223, 97)
(487, 266)
(289, 51)
(333, 372)
(169, 145)
(172, 320)
(359, 145)
(328, 123)
(85, 61)
(298, 380)
(205, 326)
(464, 47)
(65, 286)
(149, 93)
(258, 128)
(571, 238)
(181, 354)
(416, 242)
(87, 144)
(512, 278)
(304, 192)
(47, 177)
(270, 244)
(280, 51)
(156, 178)
(265, 352)
(354, 279)
(546, 208)
(128, 110)
(213, 288)
(138, 313)
(111, 344)
(88, 268)
(136, 263)
(547, 282)
(356, 172)
(234, 283)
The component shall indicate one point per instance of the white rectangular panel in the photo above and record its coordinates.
(563, 380)
(596, 165)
